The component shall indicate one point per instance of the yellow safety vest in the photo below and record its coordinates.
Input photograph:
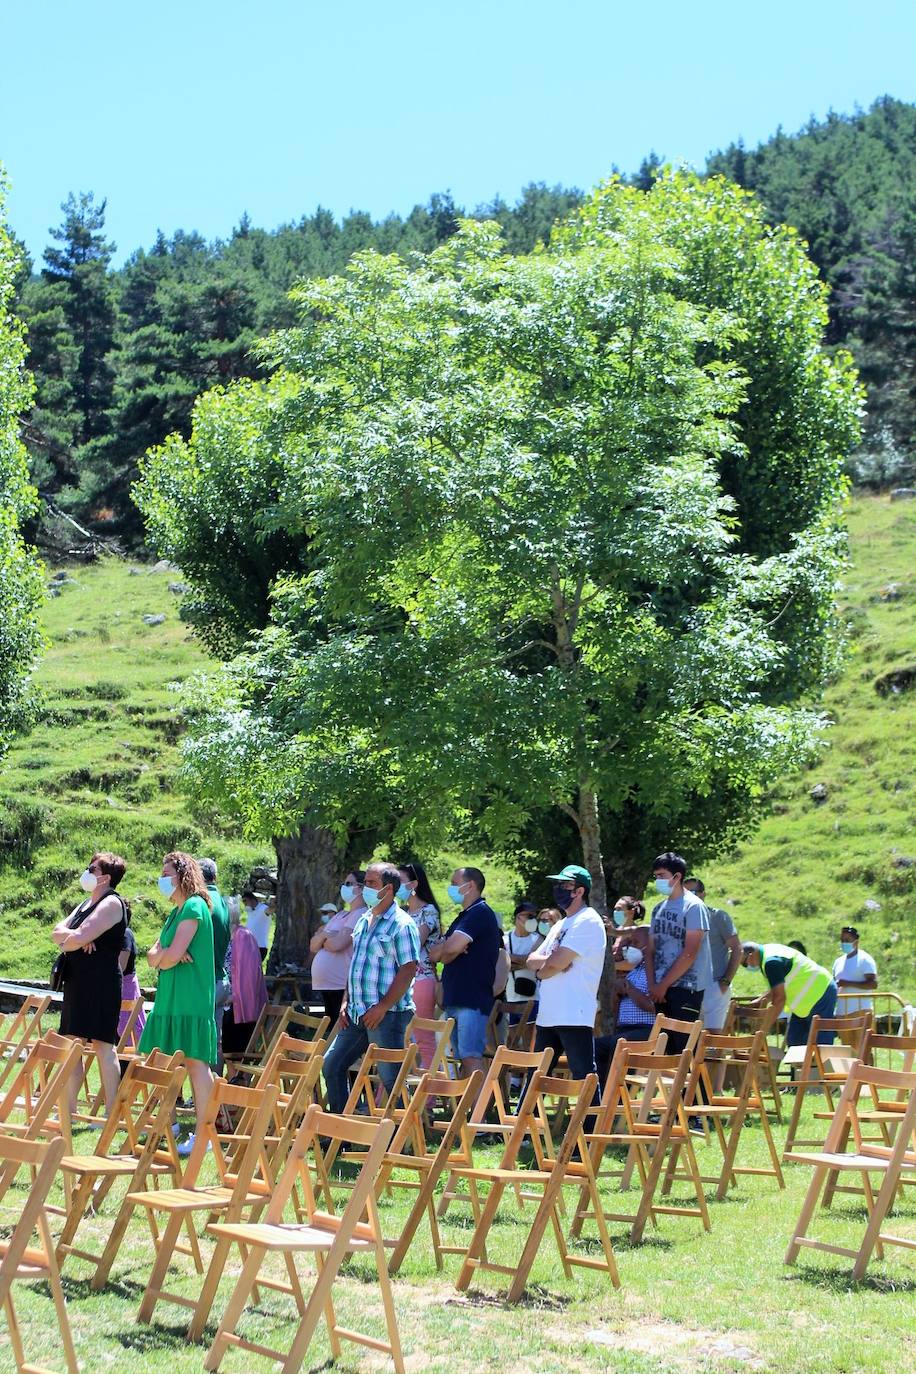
(806, 981)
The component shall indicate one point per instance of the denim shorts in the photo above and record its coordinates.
(469, 1038)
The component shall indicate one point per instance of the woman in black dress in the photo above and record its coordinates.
(92, 938)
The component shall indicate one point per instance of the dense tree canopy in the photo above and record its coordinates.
(20, 575)
(552, 558)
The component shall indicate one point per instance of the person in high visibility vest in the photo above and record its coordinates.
(797, 984)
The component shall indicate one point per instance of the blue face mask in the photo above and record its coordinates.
(562, 897)
(167, 886)
(371, 896)
(663, 885)
(402, 893)
(847, 946)
(455, 894)
(543, 927)
(619, 917)
(347, 892)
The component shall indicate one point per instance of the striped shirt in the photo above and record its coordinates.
(629, 1014)
(381, 945)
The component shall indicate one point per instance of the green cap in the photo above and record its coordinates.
(573, 873)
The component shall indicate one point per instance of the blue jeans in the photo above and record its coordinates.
(799, 1027)
(351, 1043)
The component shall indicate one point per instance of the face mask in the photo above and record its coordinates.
(531, 927)
(402, 893)
(87, 881)
(325, 917)
(543, 927)
(455, 894)
(847, 946)
(619, 917)
(347, 892)
(562, 898)
(167, 886)
(663, 885)
(372, 896)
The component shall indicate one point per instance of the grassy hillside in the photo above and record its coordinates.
(815, 865)
(98, 770)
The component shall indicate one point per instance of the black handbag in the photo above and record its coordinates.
(59, 973)
(524, 984)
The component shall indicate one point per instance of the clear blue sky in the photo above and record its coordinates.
(186, 113)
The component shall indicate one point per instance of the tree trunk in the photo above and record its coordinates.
(308, 873)
(590, 834)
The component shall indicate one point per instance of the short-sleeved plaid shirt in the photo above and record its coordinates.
(381, 944)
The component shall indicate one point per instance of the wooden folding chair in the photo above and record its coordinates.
(657, 1044)
(883, 1111)
(867, 1157)
(550, 1175)
(137, 1145)
(244, 1180)
(824, 1067)
(715, 1056)
(327, 1235)
(21, 1032)
(494, 1097)
(748, 1020)
(664, 1077)
(271, 1023)
(39, 1093)
(20, 1257)
(441, 1028)
(428, 1165)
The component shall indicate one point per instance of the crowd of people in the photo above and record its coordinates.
(385, 953)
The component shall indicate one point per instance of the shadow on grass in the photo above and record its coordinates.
(841, 1281)
(148, 1339)
(128, 1289)
(535, 1296)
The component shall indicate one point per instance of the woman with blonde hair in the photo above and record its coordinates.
(182, 1016)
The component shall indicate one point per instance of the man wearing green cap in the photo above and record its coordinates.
(568, 967)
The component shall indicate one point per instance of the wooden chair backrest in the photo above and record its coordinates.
(41, 1084)
(367, 1082)
(371, 1135)
(43, 1159)
(900, 1082)
(129, 1037)
(24, 1028)
(312, 1027)
(241, 1159)
(671, 1026)
(741, 1051)
(441, 1029)
(142, 1112)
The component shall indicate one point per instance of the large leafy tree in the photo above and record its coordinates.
(20, 573)
(567, 532)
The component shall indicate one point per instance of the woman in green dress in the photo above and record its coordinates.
(182, 1015)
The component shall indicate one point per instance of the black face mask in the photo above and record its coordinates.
(562, 897)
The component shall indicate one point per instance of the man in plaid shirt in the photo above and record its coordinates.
(378, 1002)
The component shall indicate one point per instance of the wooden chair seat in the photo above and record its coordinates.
(33, 1265)
(183, 1199)
(860, 1163)
(288, 1236)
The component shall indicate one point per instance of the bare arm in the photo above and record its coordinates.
(399, 985)
(734, 959)
(558, 961)
(640, 999)
(869, 981)
(338, 941)
(177, 952)
(444, 951)
(106, 915)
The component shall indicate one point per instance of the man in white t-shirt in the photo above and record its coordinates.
(854, 969)
(257, 920)
(568, 967)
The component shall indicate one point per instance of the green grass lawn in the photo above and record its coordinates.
(688, 1301)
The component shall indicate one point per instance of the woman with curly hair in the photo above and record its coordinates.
(182, 1015)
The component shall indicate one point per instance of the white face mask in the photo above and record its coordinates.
(87, 881)
(531, 926)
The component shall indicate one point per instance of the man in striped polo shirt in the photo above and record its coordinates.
(378, 1002)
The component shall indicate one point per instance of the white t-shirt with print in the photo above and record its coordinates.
(855, 966)
(570, 998)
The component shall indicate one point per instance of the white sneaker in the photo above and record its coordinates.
(186, 1146)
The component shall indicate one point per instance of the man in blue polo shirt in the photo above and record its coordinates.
(468, 955)
(378, 1002)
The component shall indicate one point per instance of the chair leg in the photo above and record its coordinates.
(15, 1334)
(63, 1321)
(160, 1268)
(391, 1319)
(208, 1291)
(235, 1307)
(809, 1206)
